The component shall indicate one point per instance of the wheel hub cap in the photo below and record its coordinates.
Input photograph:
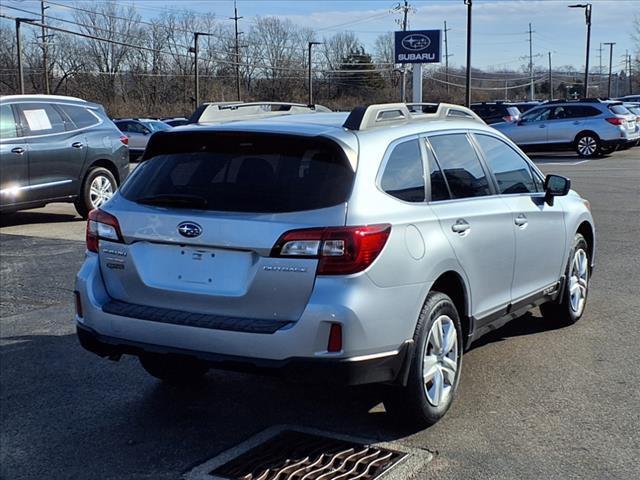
(100, 191)
(587, 146)
(440, 363)
(578, 281)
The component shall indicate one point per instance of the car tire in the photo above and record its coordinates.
(576, 287)
(172, 368)
(434, 371)
(588, 145)
(97, 187)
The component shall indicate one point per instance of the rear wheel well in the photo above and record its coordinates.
(590, 132)
(451, 284)
(109, 165)
(587, 232)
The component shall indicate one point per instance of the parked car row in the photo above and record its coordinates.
(591, 127)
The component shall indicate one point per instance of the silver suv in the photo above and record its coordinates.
(590, 127)
(359, 248)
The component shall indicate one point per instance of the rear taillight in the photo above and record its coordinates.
(124, 139)
(614, 120)
(341, 250)
(101, 225)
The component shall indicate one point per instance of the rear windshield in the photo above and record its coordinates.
(242, 172)
(619, 109)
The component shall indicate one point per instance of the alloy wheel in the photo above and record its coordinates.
(587, 146)
(100, 191)
(440, 363)
(578, 281)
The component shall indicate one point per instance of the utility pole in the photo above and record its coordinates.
(45, 39)
(611, 44)
(311, 44)
(550, 80)
(587, 17)
(235, 18)
(404, 6)
(194, 50)
(446, 56)
(467, 101)
(630, 81)
(19, 49)
(600, 69)
(531, 90)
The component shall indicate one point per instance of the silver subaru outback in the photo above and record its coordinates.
(369, 247)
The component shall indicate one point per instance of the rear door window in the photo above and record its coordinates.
(403, 175)
(40, 119)
(581, 111)
(80, 116)
(511, 171)
(461, 166)
(8, 127)
(242, 172)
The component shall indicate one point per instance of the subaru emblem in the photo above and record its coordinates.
(416, 42)
(189, 229)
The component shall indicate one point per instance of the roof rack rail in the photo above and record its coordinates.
(215, 112)
(386, 114)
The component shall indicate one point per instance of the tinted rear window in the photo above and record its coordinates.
(242, 172)
(80, 116)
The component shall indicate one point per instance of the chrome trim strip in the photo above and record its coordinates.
(14, 190)
(372, 356)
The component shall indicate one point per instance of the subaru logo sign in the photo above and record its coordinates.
(416, 42)
(418, 46)
(189, 229)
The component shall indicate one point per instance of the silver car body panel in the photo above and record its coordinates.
(377, 308)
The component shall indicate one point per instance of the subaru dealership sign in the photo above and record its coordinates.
(418, 46)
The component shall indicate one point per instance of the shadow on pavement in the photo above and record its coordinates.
(31, 217)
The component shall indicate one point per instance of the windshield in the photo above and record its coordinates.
(242, 172)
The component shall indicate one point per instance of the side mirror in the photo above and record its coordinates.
(555, 186)
(146, 131)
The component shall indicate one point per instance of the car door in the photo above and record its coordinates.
(531, 129)
(56, 151)
(538, 227)
(563, 125)
(476, 222)
(14, 157)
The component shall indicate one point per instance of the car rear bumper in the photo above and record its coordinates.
(389, 367)
(375, 324)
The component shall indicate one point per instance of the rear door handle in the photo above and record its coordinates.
(521, 220)
(461, 226)
(18, 150)
(77, 145)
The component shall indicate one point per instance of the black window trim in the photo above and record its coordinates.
(490, 179)
(16, 120)
(22, 130)
(383, 166)
(494, 181)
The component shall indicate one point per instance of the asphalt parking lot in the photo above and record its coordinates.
(535, 401)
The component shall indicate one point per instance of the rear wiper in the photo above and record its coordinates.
(177, 200)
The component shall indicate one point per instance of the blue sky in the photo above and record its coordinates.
(499, 31)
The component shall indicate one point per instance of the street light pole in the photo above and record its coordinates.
(194, 50)
(467, 101)
(587, 17)
(310, 78)
(611, 44)
(19, 49)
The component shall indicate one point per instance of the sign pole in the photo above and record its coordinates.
(417, 83)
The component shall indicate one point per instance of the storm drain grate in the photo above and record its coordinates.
(292, 455)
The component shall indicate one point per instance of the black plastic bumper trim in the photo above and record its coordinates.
(190, 319)
(386, 369)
